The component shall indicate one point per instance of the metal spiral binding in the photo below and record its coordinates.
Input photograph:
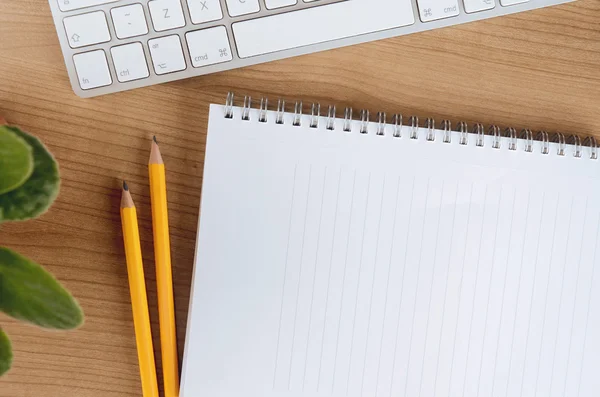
(560, 139)
(246, 108)
(575, 140)
(414, 127)
(315, 113)
(527, 135)
(330, 125)
(463, 128)
(397, 124)
(511, 133)
(347, 120)
(297, 114)
(495, 132)
(542, 136)
(262, 114)
(280, 111)
(480, 131)
(593, 145)
(430, 125)
(447, 127)
(364, 121)
(229, 106)
(381, 122)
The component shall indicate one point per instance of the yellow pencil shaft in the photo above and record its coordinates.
(164, 279)
(139, 302)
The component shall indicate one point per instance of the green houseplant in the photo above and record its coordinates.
(29, 183)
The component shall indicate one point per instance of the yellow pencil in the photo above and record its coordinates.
(164, 276)
(139, 300)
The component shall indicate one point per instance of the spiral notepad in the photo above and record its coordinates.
(381, 256)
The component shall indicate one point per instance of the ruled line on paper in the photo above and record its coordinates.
(460, 285)
(535, 268)
(587, 316)
(417, 282)
(337, 342)
(360, 264)
(437, 366)
(476, 279)
(512, 338)
(434, 257)
(337, 196)
(312, 291)
(504, 283)
(387, 287)
(287, 250)
(537, 377)
(299, 278)
(314, 278)
(401, 295)
(575, 296)
(433, 278)
(412, 196)
(489, 284)
(362, 382)
(562, 288)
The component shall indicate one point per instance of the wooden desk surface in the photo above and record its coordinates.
(539, 69)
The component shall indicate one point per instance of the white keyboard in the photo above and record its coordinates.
(116, 45)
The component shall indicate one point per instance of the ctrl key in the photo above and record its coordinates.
(92, 69)
(130, 62)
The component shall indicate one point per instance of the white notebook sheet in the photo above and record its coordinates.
(333, 264)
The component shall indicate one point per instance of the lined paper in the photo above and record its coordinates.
(345, 264)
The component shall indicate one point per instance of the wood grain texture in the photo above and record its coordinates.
(539, 69)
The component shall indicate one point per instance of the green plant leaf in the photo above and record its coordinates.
(30, 293)
(33, 197)
(16, 160)
(6, 355)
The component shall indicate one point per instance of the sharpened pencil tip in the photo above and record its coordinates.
(155, 157)
(125, 186)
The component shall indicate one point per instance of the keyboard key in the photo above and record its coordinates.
(69, 5)
(205, 10)
(478, 5)
(431, 10)
(167, 55)
(271, 4)
(87, 29)
(242, 7)
(129, 21)
(130, 62)
(512, 2)
(209, 46)
(166, 14)
(92, 69)
(257, 37)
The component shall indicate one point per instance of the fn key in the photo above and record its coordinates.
(92, 69)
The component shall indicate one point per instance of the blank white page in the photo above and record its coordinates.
(341, 264)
